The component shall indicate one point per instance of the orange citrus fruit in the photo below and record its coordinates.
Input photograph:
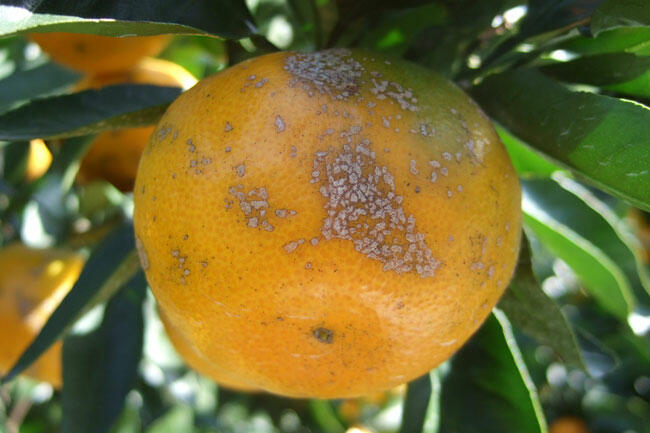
(32, 284)
(114, 155)
(569, 424)
(327, 224)
(98, 54)
(38, 160)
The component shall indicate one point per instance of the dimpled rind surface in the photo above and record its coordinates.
(32, 284)
(328, 224)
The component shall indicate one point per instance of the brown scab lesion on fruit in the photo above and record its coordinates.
(334, 72)
(181, 263)
(362, 206)
(279, 124)
(163, 132)
(241, 170)
(293, 245)
(323, 335)
(256, 208)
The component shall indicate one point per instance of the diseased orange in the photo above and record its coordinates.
(114, 155)
(98, 54)
(568, 424)
(328, 225)
(32, 284)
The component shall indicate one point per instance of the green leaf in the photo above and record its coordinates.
(421, 412)
(628, 39)
(50, 189)
(533, 312)
(13, 161)
(637, 87)
(178, 419)
(44, 80)
(527, 161)
(445, 47)
(543, 16)
(225, 18)
(393, 33)
(601, 138)
(325, 416)
(112, 263)
(600, 69)
(595, 219)
(100, 367)
(620, 13)
(489, 389)
(554, 223)
(90, 111)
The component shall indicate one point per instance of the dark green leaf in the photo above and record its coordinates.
(355, 17)
(600, 69)
(559, 226)
(532, 311)
(44, 80)
(50, 189)
(421, 413)
(100, 368)
(620, 13)
(14, 161)
(112, 263)
(393, 33)
(603, 139)
(90, 111)
(488, 389)
(225, 18)
(545, 16)
(446, 47)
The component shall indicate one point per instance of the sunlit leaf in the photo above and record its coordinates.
(601, 138)
(637, 87)
(545, 214)
(226, 18)
(594, 219)
(627, 39)
(527, 161)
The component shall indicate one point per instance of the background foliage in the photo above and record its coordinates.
(567, 83)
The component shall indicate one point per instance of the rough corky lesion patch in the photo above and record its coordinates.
(334, 72)
(362, 206)
(255, 206)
